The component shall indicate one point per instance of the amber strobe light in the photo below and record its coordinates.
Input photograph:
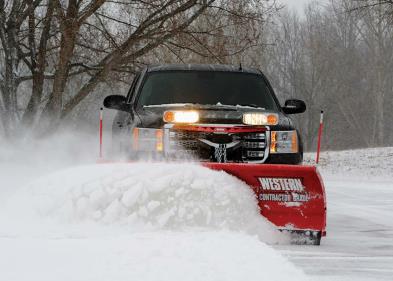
(294, 143)
(189, 116)
(135, 138)
(273, 142)
(159, 140)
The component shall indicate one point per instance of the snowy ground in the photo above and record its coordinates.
(171, 222)
(359, 245)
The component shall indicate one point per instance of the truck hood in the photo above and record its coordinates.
(151, 116)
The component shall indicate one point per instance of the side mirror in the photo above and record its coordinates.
(117, 102)
(294, 106)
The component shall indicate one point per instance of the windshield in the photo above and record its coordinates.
(206, 87)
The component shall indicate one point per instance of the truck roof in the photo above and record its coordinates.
(202, 67)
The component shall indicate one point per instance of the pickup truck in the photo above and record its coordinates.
(213, 113)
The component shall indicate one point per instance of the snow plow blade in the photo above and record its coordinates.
(292, 197)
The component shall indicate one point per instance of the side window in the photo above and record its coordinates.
(132, 88)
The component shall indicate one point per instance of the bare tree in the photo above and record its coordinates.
(57, 45)
(299, 66)
(13, 15)
(339, 57)
(359, 5)
(375, 28)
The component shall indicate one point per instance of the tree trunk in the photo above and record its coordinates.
(38, 68)
(69, 27)
(10, 85)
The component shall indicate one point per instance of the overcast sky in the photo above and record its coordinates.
(295, 4)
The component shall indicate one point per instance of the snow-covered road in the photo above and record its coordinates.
(359, 245)
(74, 239)
(143, 256)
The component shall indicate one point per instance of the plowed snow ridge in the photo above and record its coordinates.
(147, 197)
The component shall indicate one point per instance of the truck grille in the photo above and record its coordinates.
(185, 140)
(250, 146)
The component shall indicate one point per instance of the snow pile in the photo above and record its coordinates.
(146, 197)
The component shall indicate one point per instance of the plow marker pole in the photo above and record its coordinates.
(319, 136)
(101, 116)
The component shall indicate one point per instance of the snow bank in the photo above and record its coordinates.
(356, 163)
(146, 196)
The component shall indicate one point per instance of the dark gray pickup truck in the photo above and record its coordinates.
(216, 113)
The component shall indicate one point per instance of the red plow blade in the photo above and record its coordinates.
(292, 197)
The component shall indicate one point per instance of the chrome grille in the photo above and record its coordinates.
(254, 136)
(185, 140)
(255, 144)
(184, 144)
(252, 146)
(255, 154)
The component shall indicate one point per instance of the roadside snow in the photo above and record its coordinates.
(370, 163)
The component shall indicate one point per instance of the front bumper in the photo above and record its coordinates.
(212, 143)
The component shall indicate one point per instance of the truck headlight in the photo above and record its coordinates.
(260, 119)
(284, 142)
(181, 116)
(147, 139)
